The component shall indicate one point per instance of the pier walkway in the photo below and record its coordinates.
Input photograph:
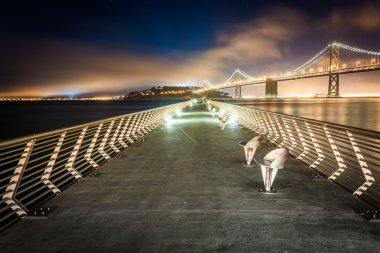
(184, 190)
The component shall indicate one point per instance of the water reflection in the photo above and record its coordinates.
(358, 112)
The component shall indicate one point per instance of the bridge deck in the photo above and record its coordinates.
(184, 190)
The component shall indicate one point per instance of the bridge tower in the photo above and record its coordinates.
(271, 88)
(333, 91)
(238, 91)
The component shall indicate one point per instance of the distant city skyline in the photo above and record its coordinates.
(65, 48)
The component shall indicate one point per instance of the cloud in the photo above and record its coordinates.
(364, 17)
(49, 67)
(257, 40)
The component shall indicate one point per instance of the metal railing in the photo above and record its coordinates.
(346, 155)
(38, 167)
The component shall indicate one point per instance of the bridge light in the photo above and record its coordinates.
(168, 119)
(373, 61)
(311, 70)
(178, 112)
(303, 71)
(344, 66)
(320, 69)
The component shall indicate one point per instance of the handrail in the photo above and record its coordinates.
(37, 167)
(348, 156)
(368, 131)
(31, 136)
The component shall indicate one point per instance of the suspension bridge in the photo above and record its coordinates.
(332, 61)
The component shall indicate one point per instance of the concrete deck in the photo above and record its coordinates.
(184, 190)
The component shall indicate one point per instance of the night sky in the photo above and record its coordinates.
(112, 47)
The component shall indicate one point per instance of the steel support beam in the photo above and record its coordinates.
(238, 91)
(271, 88)
(333, 91)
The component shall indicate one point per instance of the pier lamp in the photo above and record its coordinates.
(233, 120)
(168, 119)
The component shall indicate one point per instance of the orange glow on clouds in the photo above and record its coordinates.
(48, 68)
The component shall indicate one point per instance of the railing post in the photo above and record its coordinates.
(115, 135)
(268, 126)
(88, 154)
(290, 134)
(136, 130)
(150, 121)
(263, 124)
(341, 165)
(10, 192)
(145, 128)
(282, 133)
(157, 118)
(49, 168)
(147, 124)
(306, 149)
(276, 134)
(153, 121)
(249, 119)
(131, 129)
(70, 163)
(370, 180)
(258, 123)
(104, 141)
(318, 149)
(141, 128)
(122, 134)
